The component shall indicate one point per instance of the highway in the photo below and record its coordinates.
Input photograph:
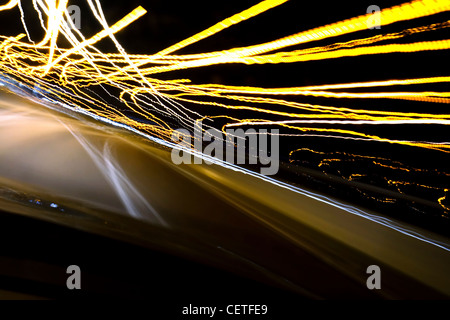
(69, 170)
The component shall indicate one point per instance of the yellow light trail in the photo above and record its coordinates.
(222, 25)
(129, 18)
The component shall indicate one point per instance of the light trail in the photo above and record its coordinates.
(135, 97)
(222, 25)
